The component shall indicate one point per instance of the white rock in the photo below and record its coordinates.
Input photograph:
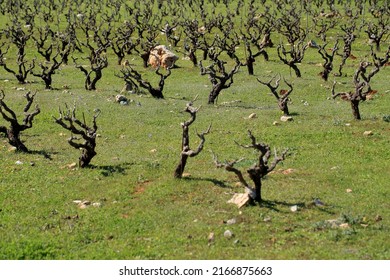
(240, 199)
(294, 208)
(211, 237)
(267, 219)
(252, 116)
(344, 225)
(368, 133)
(228, 234)
(286, 118)
(12, 149)
(231, 221)
(72, 165)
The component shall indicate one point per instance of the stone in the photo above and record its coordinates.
(162, 56)
(378, 218)
(333, 223)
(368, 133)
(12, 149)
(231, 221)
(344, 225)
(119, 98)
(267, 219)
(84, 204)
(202, 30)
(252, 116)
(228, 234)
(318, 202)
(240, 199)
(72, 165)
(312, 44)
(286, 118)
(211, 237)
(294, 208)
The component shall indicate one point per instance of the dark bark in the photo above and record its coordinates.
(145, 58)
(348, 39)
(122, 43)
(18, 37)
(355, 109)
(23, 67)
(282, 97)
(15, 128)
(296, 70)
(98, 63)
(48, 72)
(293, 56)
(362, 80)
(131, 76)
(41, 43)
(220, 78)
(186, 151)
(69, 121)
(255, 175)
(250, 63)
(258, 171)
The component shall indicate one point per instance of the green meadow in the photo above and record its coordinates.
(133, 206)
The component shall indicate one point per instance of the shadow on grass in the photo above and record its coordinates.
(216, 182)
(270, 204)
(273, 205)
(109, 170)
(45, 154)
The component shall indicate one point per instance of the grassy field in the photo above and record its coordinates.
(139, 211)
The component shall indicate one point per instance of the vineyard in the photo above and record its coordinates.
(194, 129)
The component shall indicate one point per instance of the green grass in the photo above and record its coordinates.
(147, 214)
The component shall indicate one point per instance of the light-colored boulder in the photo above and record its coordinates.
(286, 118)
(162, 56)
